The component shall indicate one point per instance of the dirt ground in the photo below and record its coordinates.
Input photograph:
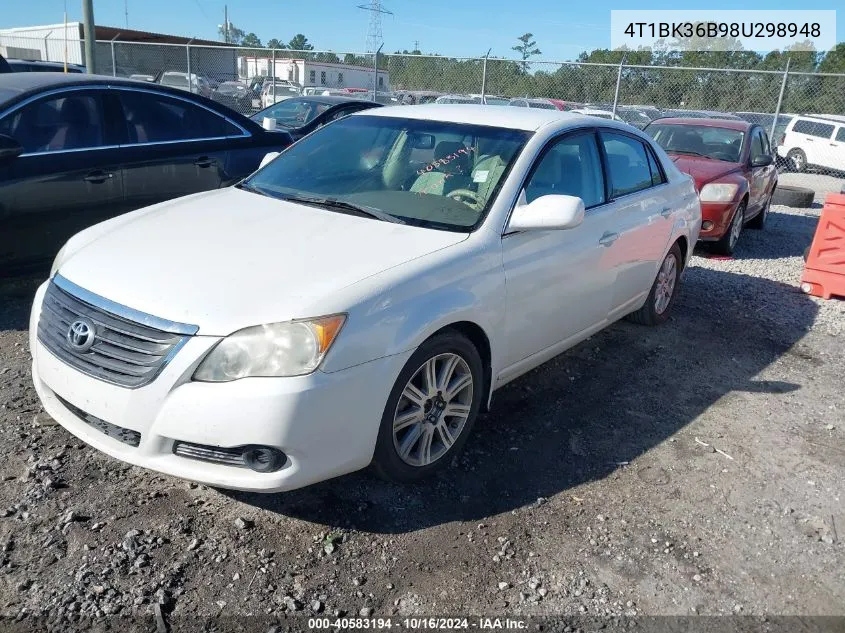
(694, 468)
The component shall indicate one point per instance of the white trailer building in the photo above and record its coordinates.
(306, 72)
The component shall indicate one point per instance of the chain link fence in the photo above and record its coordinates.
(249, 79)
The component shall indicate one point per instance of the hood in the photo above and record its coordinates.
(228, 259)
(703, 170)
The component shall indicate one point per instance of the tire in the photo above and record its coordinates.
(429, 418)
(797, 160)
(798, 197)
(727, 244)
(758, 222)
(654, 312)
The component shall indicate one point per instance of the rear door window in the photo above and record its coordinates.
(627, 163)
(152, 118)
(67, 122)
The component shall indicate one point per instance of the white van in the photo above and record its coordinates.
(814, 142)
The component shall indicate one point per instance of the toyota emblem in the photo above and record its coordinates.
(80, 335)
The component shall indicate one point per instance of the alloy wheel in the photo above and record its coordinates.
(666, 279)
(736, 227)
(433, 409)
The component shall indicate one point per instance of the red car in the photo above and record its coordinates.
(733, 168)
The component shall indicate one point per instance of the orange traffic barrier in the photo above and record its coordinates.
(824, 271)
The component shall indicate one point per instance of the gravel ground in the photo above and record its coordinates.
(695, 468)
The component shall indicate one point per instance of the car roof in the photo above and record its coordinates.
(17, 86)
(729, 124)
(528, 119)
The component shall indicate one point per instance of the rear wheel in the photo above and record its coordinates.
(727, 244)
(430, 410)
(663, 290)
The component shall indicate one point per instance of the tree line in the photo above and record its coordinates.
(678, 86)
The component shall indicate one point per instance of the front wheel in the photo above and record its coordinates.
(758, 222)
(430, 410)
(727, 244)
(663, 290)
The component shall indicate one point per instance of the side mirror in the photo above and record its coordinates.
(762, 161)
(9, 148)
(268, 158)
(548, 213)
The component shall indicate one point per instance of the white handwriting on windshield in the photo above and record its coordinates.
(445, 160)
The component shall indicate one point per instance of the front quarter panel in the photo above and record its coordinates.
(398, 309)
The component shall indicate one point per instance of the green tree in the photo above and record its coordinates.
(300, 43)
(274, 43)
(251, 40)
(234, 36)
(527, 49)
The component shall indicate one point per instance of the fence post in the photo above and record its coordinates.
(46, 47)
(618, 82)
(772, 141)
(484, 75)
(113, 60)
(190, 83)
(375, 72)
(273, 75)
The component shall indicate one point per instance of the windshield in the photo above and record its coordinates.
(293, 113)
(699, 140)
(496, 101)
(426, 173)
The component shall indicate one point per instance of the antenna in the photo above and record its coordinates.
(374, 35)
(126, 11)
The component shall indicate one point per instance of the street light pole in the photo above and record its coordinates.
(90, 36)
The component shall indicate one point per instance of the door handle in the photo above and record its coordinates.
(97, 177)
(608, 238)
(666, 212)
(204, 161)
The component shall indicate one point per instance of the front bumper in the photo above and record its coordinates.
(326, 423)
(719, 215)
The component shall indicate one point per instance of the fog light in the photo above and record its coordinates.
(706, 226)
(263, 459)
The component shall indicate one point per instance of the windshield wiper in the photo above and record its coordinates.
(331, 203)
(252, 188)
(688, 151)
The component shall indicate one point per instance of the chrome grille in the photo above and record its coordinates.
(125, 351)
(119, 433)
(228, 456)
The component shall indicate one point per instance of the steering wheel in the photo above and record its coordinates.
(466, 195)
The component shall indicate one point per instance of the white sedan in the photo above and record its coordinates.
(358, 299)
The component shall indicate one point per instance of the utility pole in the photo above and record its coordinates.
(226, 22)
(416, 45)
(126, 11)
(90, 36)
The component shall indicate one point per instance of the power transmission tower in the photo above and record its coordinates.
(126, 11)
(374, 35)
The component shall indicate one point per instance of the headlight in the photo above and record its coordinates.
(276, 349)
(718, 192)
